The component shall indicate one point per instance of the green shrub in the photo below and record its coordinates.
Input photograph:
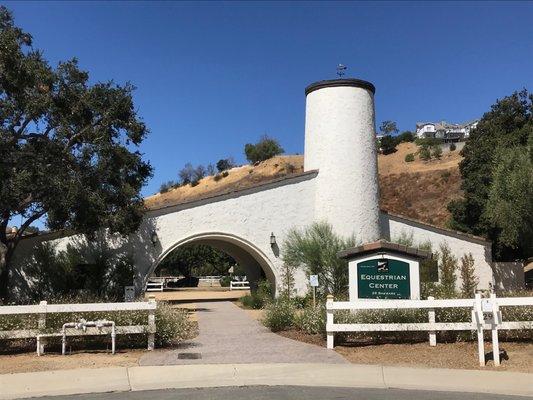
(424, 153)
(286, 283)
(186, 174)
(387, 144)
(405, 238)
(428, 142)
(84, 268)
(225, 164)
(312, 320)
(453, 147)
(429, 270)
(252, 301)
(264, 149)
(279, 315)
(468, 277)
(446, 176)
(289, 168)
(198, 174)
(405, 136)
(225, 174)
(517, 313)
(172, 325)
(264, 290)
(302, 302)
(225, 281)
(409, 157)
(260, 297)
(437, 152)
(217, 177)
(402, 316)
(315, 248)
(448, 269)
(165, 187)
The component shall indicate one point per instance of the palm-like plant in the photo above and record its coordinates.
(315, 249)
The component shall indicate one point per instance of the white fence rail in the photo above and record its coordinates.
(211, 280)
(239, 285)
(486, 315)
(155, 286)
(42, 309)
(159, 283)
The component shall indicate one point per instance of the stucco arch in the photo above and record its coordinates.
(248, 255)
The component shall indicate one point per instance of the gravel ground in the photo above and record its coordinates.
(29, 362)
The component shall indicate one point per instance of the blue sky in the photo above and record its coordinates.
(214, 76)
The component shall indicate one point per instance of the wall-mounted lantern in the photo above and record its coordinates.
(153, 238)
(272, 239)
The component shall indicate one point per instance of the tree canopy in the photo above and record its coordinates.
(196, 260)
(388, 128)
(387, 144)
(68, 147)
(264, 149)
(497, 178)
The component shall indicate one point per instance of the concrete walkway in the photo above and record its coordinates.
(228, 335)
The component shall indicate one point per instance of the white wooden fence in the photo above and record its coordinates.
(159, 283)
(155, 286)
(239, 285)
(486, 315)
(210, 278)
(42, 309)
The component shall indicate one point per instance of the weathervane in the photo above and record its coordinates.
(340, 70)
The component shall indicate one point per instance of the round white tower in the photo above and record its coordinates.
(340, 142)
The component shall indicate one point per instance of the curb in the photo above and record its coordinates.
(83, 381)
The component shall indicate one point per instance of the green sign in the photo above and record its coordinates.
(383, 278)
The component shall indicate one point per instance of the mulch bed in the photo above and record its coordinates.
(461, 355)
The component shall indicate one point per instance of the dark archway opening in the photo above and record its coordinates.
(207, 264)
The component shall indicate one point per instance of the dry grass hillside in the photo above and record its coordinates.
(419, 189)
(238, 178)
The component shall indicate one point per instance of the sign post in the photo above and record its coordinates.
(129, 293)
(313, 281)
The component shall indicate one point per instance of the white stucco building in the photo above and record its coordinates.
(339, 185)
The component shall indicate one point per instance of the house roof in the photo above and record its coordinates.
(383, 246)
(438, 229)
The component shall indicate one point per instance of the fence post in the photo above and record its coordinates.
(41, 325)
(151, 323)
(495, 322)
(477, 318)
(329, 322)
(431, 319)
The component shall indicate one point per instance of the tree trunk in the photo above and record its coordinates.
(4, 273)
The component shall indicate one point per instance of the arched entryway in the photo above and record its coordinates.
(254, 262)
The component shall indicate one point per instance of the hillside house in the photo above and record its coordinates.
(444, 130)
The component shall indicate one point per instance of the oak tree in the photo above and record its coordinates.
(68, 147)
(497, 173)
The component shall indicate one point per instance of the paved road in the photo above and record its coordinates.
(287, 393)
(229, 335)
